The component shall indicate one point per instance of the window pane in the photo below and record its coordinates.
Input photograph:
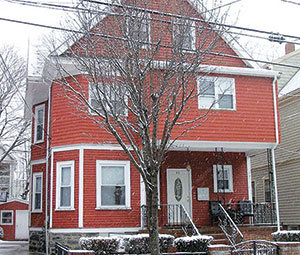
(39, 132)
(65, 196)
(6, 217)
(40, 116)
(223, 184)
(113, 195)
(207, 88)
(226, 101)
(113, 175)
(38, 184)
(65, 176)
(37, 201)
(206, 102)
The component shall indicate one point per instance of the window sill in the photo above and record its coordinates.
(222, 191)
(37, 211)
(6, 224)
(38, 142)
(112, 208)
(65, 209)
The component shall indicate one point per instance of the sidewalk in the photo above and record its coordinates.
(14, 248)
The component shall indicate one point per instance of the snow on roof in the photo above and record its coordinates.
(291, 86)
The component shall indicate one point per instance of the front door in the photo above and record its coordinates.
(179, 193)
(22, 231)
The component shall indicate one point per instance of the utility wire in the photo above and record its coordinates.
(122, 39)
(291, 2)
(275, 37)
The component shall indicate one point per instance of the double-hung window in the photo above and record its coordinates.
(223, 181)
(113, 97)
(39, 123)
(216, 93)
(267, 188)
(113, 184)
(138, 27)
(184, 35)
(7, 217)
(37, 192)
(65, 185)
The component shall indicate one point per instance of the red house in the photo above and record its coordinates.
(83, 183)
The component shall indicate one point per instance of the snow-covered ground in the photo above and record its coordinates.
(13, 247)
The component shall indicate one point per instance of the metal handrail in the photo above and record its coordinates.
(231, 220)
(195, 229)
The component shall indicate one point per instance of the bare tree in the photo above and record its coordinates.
(141, 63)
(12, 84)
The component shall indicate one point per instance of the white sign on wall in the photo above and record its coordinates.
(203, 194)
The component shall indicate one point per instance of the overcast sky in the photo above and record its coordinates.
(270, 15)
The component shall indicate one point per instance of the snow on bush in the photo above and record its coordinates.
(101, 245)
(286, 236)
(140, 244)
(193, 243)
(1, 232)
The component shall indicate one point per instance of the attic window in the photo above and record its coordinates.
(184, 35)
(138, 27)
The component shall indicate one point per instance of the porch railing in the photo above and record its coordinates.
(172, 215)
(264, 213)
(228, 226)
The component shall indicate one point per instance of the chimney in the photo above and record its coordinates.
(289, 47)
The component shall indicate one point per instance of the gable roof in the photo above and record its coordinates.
(292, 85)
(200, 8)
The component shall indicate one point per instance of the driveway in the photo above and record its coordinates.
(14, 248)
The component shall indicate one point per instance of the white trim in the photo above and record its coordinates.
(51, 189)
(126, 165)
(59, 166)
(249, 178)
(38, 161)
(93, 230)
(35, 229)
(12, 218)
(112, 147)
(228, 168)
(275, 189)
(34, 176)
(81, 188)
(37, 108)
(192, 145)
(275, 97)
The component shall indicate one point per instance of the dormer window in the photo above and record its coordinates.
(184, 35)
(39, 123)
(216, 93)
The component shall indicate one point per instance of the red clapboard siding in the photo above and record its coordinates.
(37, 219)
(108, 218)
(66, 219)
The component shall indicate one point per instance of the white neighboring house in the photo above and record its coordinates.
(7, 168)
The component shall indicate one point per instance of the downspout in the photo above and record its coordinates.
(273, 151)
(47, 171)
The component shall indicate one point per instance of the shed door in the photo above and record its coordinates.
(22, 231)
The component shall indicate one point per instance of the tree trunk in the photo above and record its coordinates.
(152, 217)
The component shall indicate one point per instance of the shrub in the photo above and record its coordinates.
(101, 245)
(193, 243)
(286, 236)
(140, 244)
(1, 233)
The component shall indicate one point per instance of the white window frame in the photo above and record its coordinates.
(35, 176)
(92, 96)
(228, 168)
(126, 165)
(12, 217)
(218, 81)
(37, 108)
(59, 166)
(192, 32)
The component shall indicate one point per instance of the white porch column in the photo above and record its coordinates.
(249, 178)
(275, 189)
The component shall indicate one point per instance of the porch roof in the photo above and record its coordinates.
(249, 148)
